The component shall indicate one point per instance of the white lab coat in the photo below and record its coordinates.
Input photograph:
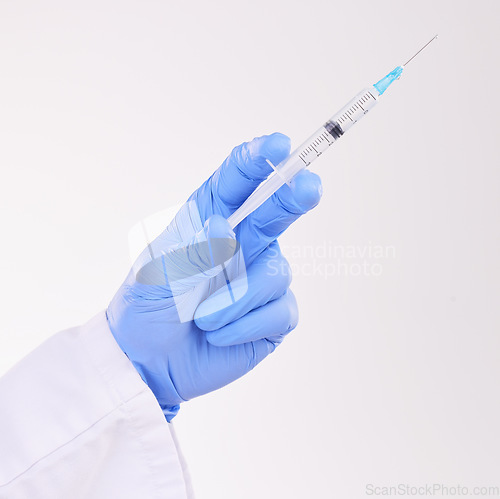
(77, 421)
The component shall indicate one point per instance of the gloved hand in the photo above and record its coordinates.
(178, 277)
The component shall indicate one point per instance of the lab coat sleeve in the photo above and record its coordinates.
(77, 421)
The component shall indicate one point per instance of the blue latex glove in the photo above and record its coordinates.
(180, 359)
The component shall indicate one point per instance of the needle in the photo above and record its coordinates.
(415, 55)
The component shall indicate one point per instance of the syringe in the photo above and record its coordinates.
(317, 143)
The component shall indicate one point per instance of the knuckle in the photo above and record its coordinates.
(279, 271)
(293, 311)
(287, 271)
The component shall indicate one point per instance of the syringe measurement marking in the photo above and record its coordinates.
(332, 134)
(351, 112)
(317, 141)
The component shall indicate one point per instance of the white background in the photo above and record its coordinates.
(111, 111)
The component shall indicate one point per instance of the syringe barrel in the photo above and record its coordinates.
(352, 112)
(307, 152)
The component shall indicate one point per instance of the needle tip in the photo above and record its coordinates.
(414, 55)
